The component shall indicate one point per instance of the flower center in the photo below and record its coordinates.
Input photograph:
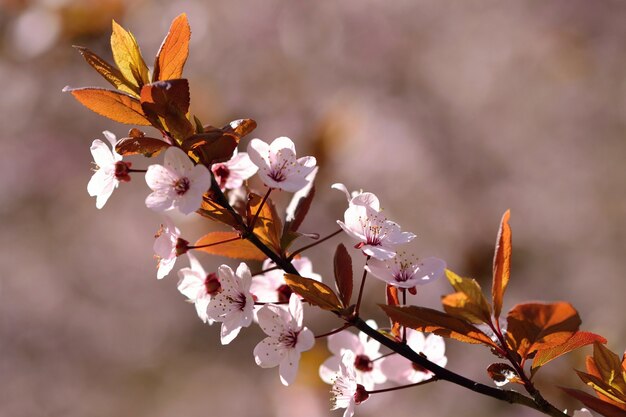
(363, 363)
(361, 394)
(181, 186)
(373, 229)
(284, 292)
(222, 173)
(121, 171)
(278, 172)
(403, 273)
(212, 284)
(239, 300)
(289, 339)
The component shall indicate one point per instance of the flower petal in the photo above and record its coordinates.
(267, 353)
(288, 368)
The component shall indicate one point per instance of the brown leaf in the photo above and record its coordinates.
(607, 391)
(172, 55)
(393, 300)
(240, 127)
(117, 106)
(211, 147)
(578, 339)
(268, 226)
(501, 264)
(109, 72)
(610, 368)
(314, 292)
(215, 212)
(468, 303)
(596, 404)
(433, 321)
(538, 326)
(127, 56)
(238, 249)
(301, 205)
(343, 274)
(138, 144)
(167, 103)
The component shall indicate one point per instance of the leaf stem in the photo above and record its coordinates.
(342, 328)
(302, 249)
(358, 301)
(416, 384)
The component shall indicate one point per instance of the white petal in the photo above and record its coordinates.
(366, 199)
(230, 328)
(339, 186)
(258, 151)
(282, 142)
(267, 353)
(161, 200)
(243, 272)
(306, 340)
(110, 137)
(165, 266)
(430, 269)
(101, 153)
(190, 283)
(176, 160)
(328, 369)
(353, 234)
(295, 309)
(378, 252)
(288, 368)
(271, 321)
(201, 308)
(339, 342)
(189, 202)
(158, 177)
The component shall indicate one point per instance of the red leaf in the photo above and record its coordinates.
(578, 339)
(537, 326)
(501, 264)
(343, 274)
(433, 321)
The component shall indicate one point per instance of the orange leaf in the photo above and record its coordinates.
(468, 303)
(119, 107)
(109, 72)
(596, 404)
(215, 212)
(314, 292)
(607, 390)
(239, 249)
(393, 300)
(501, 264)
(343, 274)
(578, 339)
(433, 321)
(537, 326)
(172, 55)
(138, 144)
(127, 56)
(268, 226)
(609, 366)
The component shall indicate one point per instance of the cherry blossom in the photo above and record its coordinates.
(346, 392)
(403, 272)
(270, 287)
(287, 338)
(278, 166)
(198, 286)
(364, 222)
(168, 246)
(110, 170)
(402, 371)
(583, 412)
(368, 372)
(233, 305)
(177, 183)
(232, 173)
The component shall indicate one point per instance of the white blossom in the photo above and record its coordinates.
(167, 247)
(232, 173)
(403, 272)
(110, 170)
(198, 286)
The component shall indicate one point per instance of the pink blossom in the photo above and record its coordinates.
(402, 371)
(287, 338)
(365, 350)
(364, 222)
(346, 392)
(232, 173)
(278, 166)
(403, 272)
(110, 170)
(270, 287)
(167, 246)
(177, 183)
(233, 305)
(198, 286)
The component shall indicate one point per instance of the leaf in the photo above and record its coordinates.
(314, 292)
(578, 339)
(138, 144)
(240, 127)
(537, 326)
(502, 374)
(605, 389)
(172, 55)
(343, 274)
(238, 249)
(393, 300)
(596, 404)
(433, 321)
(268, 225)
(501, 264)
(215, 212)
(117, 106)
(299, 207)
(109, 72)
(127, 56)
(468, 303)
(211, 147)
(609, 366)
(167, 103)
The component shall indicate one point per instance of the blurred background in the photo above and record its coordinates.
(451, 112)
